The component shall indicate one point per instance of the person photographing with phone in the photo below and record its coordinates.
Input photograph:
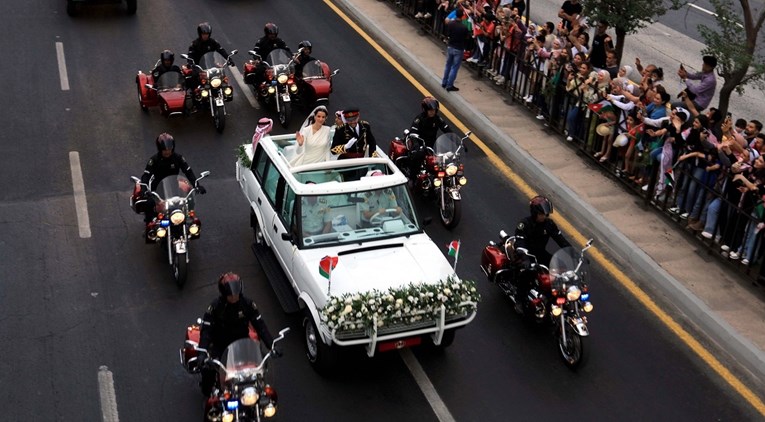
(700, 86)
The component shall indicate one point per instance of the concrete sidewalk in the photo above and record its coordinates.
(721, 303)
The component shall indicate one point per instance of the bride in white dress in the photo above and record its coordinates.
(313, 139)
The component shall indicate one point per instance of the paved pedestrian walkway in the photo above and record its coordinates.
(726, 297)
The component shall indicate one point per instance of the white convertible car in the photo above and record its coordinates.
(340, 241)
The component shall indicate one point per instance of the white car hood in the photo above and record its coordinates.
(417, 261)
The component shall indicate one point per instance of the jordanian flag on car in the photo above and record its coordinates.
(454, 248)
(326, 265)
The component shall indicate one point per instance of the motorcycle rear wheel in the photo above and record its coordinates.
(219, 118)
(320, 355)
(180, 269)
(451, 213)
(572, 352)
(140, 103)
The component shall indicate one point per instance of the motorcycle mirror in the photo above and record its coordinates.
(406, 132)
(502, 234)
(334, 72)
(234, 52)
(468, 133)
(204, 174)
(284, 331)
(253, 53)
(135, 179)
(589, 243)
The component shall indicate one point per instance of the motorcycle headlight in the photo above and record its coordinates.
(269, 411)
(451, 170)
(573, 293)
(227, 417)
(205, 93)
(587, 307)
(293, 88)
(437, 182)
(161, 232)
(179, 217)
(282, 78)
(227, 91)
(463, 181)
(215, 82)
(271, 89)
(556, 310)
(249, 396)
(194, 229)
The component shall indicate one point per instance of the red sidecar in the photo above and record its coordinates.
(315, 85)
(168, 92)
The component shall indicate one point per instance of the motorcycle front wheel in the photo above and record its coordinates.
(571, 350)
(451, 212)
(219, 118)
(285, 113)
(180, 269)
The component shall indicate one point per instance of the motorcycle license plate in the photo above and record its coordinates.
(180, 247)
(286, 98)
(219, 102)
(399, 344)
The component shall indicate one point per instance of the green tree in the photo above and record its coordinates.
(734, 43)
(627, 16)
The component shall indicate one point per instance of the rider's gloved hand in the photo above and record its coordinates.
(201, 189)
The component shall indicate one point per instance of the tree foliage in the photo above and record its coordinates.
(734, 43)
(627, 16)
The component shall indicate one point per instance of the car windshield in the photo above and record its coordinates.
(278, 56)
(313, 69)
(327, 220)
(212, 59)
(242, 359)
(170, 80)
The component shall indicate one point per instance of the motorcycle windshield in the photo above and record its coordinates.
(279, 56)
(242, 359)
(446, 144)
(211, 60)
(564, 262)
(170, 81)
(313, 69)
(173, 189)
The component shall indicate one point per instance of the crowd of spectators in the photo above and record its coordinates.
(674, 147)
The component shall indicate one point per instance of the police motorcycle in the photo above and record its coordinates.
(558, 293)
(176, 222)
(436, 173)
(278, 89)
(243, 390)
(213, 89)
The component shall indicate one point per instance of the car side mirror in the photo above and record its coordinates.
(287, 237)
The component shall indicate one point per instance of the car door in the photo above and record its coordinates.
(284, 223)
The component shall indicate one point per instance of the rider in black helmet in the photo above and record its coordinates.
(533, 232)
(304, 56)
(265, 45)
(205, 43)
(427, 124)
(166, 162)
(166, 64)
(228, 318)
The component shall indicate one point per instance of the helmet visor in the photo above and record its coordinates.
(545, 207)
(233, 287)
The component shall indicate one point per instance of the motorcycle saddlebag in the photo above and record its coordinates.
(188, 353)
(397, 149)
(249, 73)
(138, 202)
(493, 259)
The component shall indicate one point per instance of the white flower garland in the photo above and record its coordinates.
(406, 305)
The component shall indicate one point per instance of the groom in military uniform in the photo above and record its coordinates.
(354, 139)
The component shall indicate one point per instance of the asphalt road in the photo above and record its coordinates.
(70, 304)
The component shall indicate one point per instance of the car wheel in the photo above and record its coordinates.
(320, 355)
(446, 341)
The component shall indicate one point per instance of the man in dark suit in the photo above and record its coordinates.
(354, 138)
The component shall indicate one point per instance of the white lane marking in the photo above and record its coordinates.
(708, 12)
(245, 88)
(108, 396)
(62, 66)
(80, 201)
(427, 388)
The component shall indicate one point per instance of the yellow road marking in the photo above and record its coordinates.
(578, 237)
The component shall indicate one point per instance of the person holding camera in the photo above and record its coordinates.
(699, 93)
